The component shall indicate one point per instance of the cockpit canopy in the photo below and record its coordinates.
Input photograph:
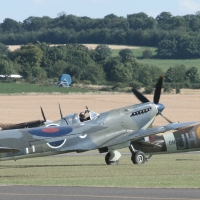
(93, 115)
(73, 119)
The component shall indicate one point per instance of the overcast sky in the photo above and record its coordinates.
(20, 10)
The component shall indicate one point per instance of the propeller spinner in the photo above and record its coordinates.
(156, 98)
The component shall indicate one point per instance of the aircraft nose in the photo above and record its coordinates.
(160, 107)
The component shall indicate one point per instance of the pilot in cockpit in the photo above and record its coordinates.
(83, 117)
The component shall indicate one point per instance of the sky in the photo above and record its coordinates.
(20, 10)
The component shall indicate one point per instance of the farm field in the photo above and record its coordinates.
(19, 108)
(164, 64)
(90, 169)
(167, 63)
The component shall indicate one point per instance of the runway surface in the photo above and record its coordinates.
(85, 193)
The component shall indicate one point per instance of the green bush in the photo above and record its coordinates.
(135, 85)
(86, 82)
(147, 53)
(148, 90)
(119, 86)
(167, 89)
(178, 90)
(106, 89)
(195, 86)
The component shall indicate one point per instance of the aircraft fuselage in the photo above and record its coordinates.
(113, 125)
(184, 140)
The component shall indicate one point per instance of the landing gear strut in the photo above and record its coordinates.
(112, 157)
(138, 157)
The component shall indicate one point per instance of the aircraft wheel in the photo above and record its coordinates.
(138, 157)
(108, 162)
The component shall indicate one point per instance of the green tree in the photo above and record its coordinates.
(27, 54)
(147, 53)
(109, 65)
(10, 25)
(144, 76)
(36, 23)
(119, 73)
(29, 57)
(167, 48)
(141, 21)
(163, 20)
(126, 55)
(6, 67)
(3, 50)
(188, 47)
(193, 75)
(58, 68)
(103, 51)
(176, 74)
(93, 73)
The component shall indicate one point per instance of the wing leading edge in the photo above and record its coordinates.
(160, 129)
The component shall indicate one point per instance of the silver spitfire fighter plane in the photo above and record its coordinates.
(107, 132)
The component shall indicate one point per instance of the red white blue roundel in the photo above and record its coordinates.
(51, 131)
(56, 144)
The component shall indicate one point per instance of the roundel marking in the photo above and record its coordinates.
(53, 124)
(198, 132)
(83, 136)
(51, 131)
(57, 144)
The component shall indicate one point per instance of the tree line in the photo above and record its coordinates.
(40, 62)
(174, 36)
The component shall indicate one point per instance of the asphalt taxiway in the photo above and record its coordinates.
(97, 193)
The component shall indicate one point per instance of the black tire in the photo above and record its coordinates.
(138, 157)
(110, 162)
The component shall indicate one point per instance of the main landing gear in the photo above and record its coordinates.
(112, 157)
(138, 157)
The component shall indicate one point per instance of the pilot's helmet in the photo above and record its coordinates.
(82, 115)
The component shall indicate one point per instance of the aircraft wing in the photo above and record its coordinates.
(14, 140)
(8, 150)
(160, 129)
(28, 124)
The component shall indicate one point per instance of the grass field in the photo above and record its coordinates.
(164, 171)
(162, 63)
(10, 88)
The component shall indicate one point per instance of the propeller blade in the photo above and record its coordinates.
(170, 121)
(61, 115)
(158, 90)
(140, 96)
(43, 114)
(166, 118)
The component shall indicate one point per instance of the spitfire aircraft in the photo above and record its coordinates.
(107, 132)
(183, 140)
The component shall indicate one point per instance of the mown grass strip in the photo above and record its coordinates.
(10, 88)
(162, 171)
